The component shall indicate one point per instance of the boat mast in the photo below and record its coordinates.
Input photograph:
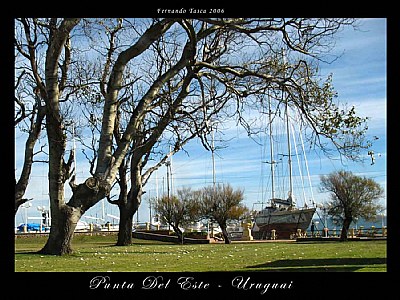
(288, 136)
(271, 150)
(289, 154)
(213, 157)
(168, 164)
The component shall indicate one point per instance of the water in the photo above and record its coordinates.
(378, 223)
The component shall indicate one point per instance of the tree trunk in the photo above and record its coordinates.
(128, 206)
(61, 231)
(225, 234)
(62, 216)
(65, 217)
(345, 228)
(125, 225)
(178, 232)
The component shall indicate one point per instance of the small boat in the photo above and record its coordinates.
(32, 227)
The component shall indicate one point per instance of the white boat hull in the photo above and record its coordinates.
(284, 222)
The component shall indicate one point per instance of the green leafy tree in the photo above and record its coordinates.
(221, 203)
(351, 197)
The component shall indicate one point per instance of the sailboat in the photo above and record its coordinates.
(281, 218)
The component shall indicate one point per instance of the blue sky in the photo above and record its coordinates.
(359, 77)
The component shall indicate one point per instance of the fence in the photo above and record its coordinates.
(360, 232)
(352, 233)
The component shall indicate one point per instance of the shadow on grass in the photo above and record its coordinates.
(318, 265)
(27, 252)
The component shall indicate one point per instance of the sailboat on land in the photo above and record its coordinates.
(282, 218)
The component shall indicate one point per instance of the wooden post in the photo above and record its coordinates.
(384, 231)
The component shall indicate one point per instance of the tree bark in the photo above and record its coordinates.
(178, 232)
(225, 234)
(61, 231)
(66, 216)
(127, 210)
(129, 206)
(345, 229)
(125, 225)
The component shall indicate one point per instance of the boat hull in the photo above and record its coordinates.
(285, 223)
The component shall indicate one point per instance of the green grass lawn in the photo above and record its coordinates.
(98, 254)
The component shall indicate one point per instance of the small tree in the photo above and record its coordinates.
(178, 210)
(221, 203)
(351, 197)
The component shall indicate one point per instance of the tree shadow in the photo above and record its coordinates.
(27, 252)
(318, 265)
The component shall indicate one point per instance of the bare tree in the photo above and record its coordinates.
(30, 108)
(351, 197)
(216, 88)
(178, 74)
(29, 115)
